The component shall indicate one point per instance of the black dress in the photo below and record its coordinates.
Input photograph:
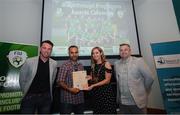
(103, 97)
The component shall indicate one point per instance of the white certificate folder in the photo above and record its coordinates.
(79, 79)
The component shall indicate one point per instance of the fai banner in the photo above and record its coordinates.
(12, 57)
(167, 61)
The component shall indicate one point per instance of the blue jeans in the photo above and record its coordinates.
(36, 103)
(66, 108)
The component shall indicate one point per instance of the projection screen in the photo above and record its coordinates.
(89, 23)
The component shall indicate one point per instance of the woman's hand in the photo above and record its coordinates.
(88, 77)
(89, 88)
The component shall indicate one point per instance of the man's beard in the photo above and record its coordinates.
(74, 58)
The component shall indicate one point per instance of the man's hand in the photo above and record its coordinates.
(74, 90)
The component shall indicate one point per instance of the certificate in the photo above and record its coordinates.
(79, 79)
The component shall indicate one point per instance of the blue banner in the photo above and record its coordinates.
(167, 61)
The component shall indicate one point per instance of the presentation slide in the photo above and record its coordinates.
(89, 23)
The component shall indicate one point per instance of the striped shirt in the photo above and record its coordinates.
(65, 75)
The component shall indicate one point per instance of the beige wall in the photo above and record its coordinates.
(20, 21)
(156, 23)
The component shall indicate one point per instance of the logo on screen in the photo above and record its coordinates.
(17, 58)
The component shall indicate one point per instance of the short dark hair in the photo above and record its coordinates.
(125, 44)
(47, 41)
(72, 46)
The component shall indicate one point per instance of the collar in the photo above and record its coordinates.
(125, 61)
(42, 60)
(74, 63)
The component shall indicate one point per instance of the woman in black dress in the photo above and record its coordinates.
(104, 101)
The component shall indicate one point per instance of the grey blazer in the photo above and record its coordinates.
(28, 72)
(140, 80)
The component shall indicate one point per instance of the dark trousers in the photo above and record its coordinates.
(36, 103)
(66, 108)
(131, 109)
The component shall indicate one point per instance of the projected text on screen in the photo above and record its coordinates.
(89, 23)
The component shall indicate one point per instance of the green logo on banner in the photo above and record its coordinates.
(12, 57)
(17, 58)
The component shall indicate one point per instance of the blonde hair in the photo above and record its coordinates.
(103, 57)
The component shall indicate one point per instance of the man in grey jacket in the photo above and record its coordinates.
(36, 80)
(134, 80)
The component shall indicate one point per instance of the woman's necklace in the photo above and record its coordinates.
(96, 76)
(98, 72)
